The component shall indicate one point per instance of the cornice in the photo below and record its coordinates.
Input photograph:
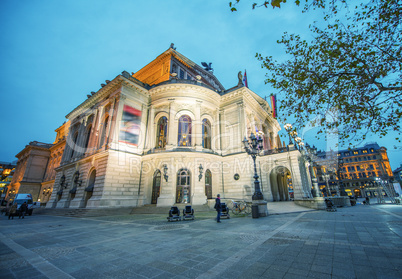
(111, 88)
(178, 90)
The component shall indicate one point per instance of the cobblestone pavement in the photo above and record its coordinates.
(354, 242)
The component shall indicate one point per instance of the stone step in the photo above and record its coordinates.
(153, 209)
(97, 212)
(83, 212)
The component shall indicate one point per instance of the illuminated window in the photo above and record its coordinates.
(184, 135)
(206, 134)
(355, 152)
(161, 135)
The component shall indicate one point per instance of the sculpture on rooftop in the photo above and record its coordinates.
(240, 77)
(207, 67)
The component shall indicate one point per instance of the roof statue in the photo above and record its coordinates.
(207, 67)
(172, 46)
(240, 77)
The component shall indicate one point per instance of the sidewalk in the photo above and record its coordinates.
(354, 242)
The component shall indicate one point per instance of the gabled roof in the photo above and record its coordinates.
(159, 70)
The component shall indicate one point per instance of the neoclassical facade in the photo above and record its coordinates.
(172, 134)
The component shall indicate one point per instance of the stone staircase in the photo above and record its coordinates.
(98, 212)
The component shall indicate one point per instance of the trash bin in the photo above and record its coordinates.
(254, 211)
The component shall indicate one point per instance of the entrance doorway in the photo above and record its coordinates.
(156, 186)
(281, 184)
(183, 186)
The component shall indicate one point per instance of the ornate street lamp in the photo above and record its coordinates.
(378, 182)
(326, 176)
(288, 127)
(63, 183)
(165, 175)
(200, 175)
(253, 148)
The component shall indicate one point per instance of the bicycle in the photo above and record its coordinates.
(238, 207)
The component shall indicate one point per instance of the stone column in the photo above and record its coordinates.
(97, 127)
(197, 128)
(79, 150)
(172, 127)
(198, 191)
(216, 135)
(242, 125)
(167, 192)
(107, 132)
(151, 129)
(113, 122)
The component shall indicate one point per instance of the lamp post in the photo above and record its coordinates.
(165, 170)
(340, 183)
(316, 192)
(200, 175)
(253, 147)
(288, 127)
(378, 181)
(326, 176)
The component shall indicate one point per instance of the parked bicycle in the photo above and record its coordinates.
(238, 207)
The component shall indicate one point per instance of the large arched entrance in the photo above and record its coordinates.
(183, 186)
(156, 186)
(281, 184)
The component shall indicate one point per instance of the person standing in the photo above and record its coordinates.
(218, 208)
(13, 211)
(23, 210)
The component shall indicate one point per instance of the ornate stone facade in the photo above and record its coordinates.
(142, 138)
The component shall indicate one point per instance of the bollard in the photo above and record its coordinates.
(254, 211)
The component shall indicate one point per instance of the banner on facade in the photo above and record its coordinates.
(273, 105)
(130, 125)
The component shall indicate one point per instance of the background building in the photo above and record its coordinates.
(6, 175)
(358, 170)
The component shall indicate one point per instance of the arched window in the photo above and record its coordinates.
(87, 136)
(104, 129)
(184, 136)
(206, 134)
(208, 184)
(74, 145)
(161, 135)
(91, 182)
(183, 186)
(156, 187)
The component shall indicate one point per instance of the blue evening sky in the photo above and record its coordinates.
(54, 53)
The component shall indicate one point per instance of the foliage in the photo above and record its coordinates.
(277, 4)
(350, 73)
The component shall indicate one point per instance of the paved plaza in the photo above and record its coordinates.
(354, 242)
